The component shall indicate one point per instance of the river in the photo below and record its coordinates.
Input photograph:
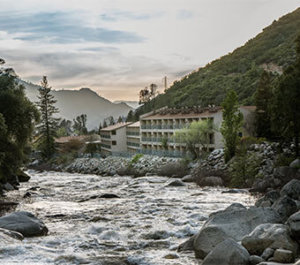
(142, 227)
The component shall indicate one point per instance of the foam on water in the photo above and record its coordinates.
(143, 226)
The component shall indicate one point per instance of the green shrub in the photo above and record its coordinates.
(135, 159)
(283, 160)
(243, 169)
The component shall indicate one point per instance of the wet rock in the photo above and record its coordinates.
(23, 177)
(295, 163)
(25, 223)
(268, 253)
(235, 191)
(188, 178)
(207, 240)
(253, 260)
(171, 256)
(187, 245)
(294, 225)
(227, 252)
(211, 181)
(157, 235)
(109, 196)
(234, 222)
(285, 207)
(4, 234)
(176, 183)
(269, 236)
(7, 186)
(291, 189)
(27, 195)
(283, 256)
(285, 173)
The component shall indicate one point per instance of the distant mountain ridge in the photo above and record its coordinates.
(72, 103)
(271, 50)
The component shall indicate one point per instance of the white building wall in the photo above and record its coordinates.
(120, 138)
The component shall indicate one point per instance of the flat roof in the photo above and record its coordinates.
(115, 126)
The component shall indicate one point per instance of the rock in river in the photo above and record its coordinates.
(25, 223)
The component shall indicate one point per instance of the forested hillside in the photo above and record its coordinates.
(273, 49)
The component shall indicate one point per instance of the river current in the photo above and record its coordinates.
(144, 226)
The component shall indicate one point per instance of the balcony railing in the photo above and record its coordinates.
(106, 146)
(133, 144)
(107, 136)
(133, 133)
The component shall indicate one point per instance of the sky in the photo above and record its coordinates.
(118, 47)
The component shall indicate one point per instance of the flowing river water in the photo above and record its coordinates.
(142, 227)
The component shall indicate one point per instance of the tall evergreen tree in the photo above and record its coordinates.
(49, 124)
(263, 99)
(130, 116)
(232, 122)
(286, 105)
(120, 119)
(80, 124)
(104, 124)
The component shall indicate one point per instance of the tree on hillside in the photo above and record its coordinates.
(17, 118)
(111, 120)
(104, 124)
(80, 124)
(286, 104)
(129, 116)
(48, 126)
(196, 137)
(263, 99)
(232, 122)
(64, 128)
(148, 94)
(120, 119)
(99, 128)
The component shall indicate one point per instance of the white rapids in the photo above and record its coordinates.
(142, 227)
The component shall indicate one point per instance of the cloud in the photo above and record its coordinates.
(185, 14)
(114, 16)
(61, 27)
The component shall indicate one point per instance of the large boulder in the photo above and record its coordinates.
(291, 189)
(283, 256)
(228, 252)
(294, 225)
(286, 173)
(295, 163)
(234, 222)
(285, 206)
(273, 236)
(25, 223)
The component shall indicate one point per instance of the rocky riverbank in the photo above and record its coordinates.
(262, 234)
(142, 166)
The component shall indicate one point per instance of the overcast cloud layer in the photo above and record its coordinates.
(117, 47)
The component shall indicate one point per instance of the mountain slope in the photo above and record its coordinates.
(72, 103)
(272, 50)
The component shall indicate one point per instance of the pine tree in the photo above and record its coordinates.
(48, 126)
(104, 124)
(232, 122)
(120, 119)
(130, 116)
(263, 98)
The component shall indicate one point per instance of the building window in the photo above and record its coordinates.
(114, 142)
(113, 132)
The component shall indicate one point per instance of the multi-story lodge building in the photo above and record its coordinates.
(158, 128)
(113, 139)
(133, 137)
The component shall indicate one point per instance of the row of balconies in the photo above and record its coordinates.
(132, 133)
(160, 139)
(106, 146)
(164, 126)
(133, 144)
